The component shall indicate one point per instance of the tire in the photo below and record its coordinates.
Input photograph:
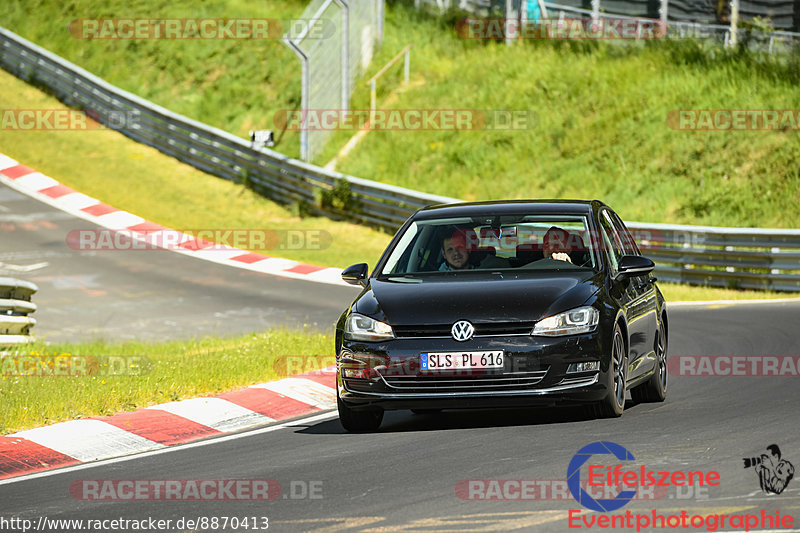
(655, 388)
(613, 404)
(358, 421)
(426, 411)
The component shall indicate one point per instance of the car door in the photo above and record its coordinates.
(645, 289)
(626, 292)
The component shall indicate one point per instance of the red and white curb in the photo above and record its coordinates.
(168, 424)
(44, 188)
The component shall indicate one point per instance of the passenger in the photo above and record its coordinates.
(554, 244)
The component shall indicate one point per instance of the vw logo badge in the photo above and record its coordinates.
(462, 330)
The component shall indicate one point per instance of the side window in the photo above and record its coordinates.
(611, 241)
(628, 242)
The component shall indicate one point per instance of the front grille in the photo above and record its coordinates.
(454, 383)
(443, 330)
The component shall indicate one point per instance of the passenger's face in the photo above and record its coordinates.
(554, 244)
(456, 256)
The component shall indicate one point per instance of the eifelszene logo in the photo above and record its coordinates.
(774, 473)
(574, 477)
(630, 479)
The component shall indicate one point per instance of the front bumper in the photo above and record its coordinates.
(534, 373)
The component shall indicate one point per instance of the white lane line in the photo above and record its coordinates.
(733, 302)
(216, 413)
(176, 448)
(303, 390)
(88, 440)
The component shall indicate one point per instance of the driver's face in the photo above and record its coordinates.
(457, 257)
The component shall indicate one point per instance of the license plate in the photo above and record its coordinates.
(460, 360)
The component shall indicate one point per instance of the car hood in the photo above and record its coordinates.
(497, 299)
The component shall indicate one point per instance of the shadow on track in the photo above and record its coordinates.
(406, 421)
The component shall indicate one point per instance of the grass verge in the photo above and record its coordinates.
(675, 292)
(132, 375)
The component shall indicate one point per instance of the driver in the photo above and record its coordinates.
(455, 252)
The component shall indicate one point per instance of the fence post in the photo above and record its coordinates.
(304, 95)
(734, 22)
(380, 20)
(511, 14)
(345, 7)
(406, 67)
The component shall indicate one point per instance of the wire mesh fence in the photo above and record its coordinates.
(768, 25)
(334, 48)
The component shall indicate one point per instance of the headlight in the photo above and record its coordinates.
(363, 328)
(578, 320)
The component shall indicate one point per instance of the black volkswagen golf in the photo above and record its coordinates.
(503, 304)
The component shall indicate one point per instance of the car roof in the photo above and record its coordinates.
(561, 207)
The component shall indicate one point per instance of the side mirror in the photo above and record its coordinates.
(634, 265)
(356, 274)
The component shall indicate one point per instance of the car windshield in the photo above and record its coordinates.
(518, 242)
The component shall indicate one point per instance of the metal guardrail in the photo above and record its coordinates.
(745, 258)
(15, 306)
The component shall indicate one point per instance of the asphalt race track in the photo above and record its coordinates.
(144, 294)
(404, 477)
